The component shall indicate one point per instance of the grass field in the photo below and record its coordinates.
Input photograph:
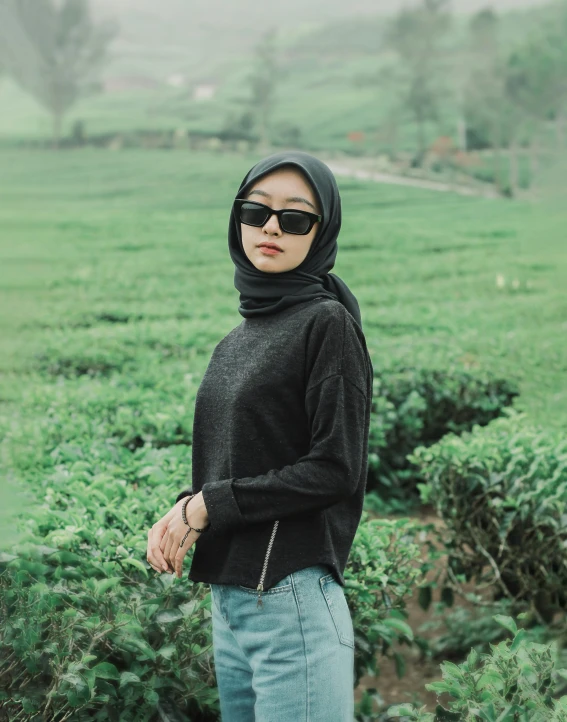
(114, 260)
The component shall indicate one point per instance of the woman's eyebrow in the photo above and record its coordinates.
(293, 199)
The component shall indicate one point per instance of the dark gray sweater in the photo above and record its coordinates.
(280, 433)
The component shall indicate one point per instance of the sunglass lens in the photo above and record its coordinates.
(253, 214)
(295, 222)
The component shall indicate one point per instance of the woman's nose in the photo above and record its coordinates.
(272, 225)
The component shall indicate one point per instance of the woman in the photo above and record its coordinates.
(280, 453)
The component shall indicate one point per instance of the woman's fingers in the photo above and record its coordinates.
(182, 551)
(154, 554)
(169, 547)
(164, 538)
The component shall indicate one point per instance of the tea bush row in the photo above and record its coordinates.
(502, 493)
(418, 406)
(88, 627)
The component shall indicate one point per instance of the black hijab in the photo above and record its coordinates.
(266, 293)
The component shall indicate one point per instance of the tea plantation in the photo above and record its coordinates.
(115, 286)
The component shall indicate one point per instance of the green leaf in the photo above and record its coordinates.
(487, 714)
(77, 680)
(154, 600)
(103, 585)
(518, 639)
(490, 678)
(400, 664)
(168, 615)
(167, 651)
(5, 557)
(472, 659)
(399, 626)
(510, 714)
(106, 670)
(129, 678)
(439, 687)
(151, 696)
(402, 710)
(135, 563)
(144, 647)
(506, 622)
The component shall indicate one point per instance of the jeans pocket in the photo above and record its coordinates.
(284, 585)
(339, 609)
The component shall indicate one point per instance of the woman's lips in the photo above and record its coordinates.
(270, 251)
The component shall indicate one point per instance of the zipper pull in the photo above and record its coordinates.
(260, 590)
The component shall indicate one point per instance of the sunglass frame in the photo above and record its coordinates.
(313, 217)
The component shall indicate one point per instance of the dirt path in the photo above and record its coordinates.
(348, 169)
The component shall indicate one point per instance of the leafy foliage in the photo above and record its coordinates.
(384, 567)
(414, 407)
(513, 683)
(502, 492)
(89, 628)
(464, 629)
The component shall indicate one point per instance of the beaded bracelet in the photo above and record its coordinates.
(184, 517)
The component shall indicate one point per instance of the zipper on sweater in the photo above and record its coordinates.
(260, 587)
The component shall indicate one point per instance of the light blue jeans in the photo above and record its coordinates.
(291, 659)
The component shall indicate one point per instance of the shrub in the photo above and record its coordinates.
(88, 630)
(502, 493)
(385, 566)
(464, 628)
(414, 407)
(513, 683)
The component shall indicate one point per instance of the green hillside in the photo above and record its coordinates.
(321, 91)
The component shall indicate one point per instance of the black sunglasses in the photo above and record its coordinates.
(293, 221)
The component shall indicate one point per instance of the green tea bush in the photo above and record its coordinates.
(414, 407)
(86, 624)
(515, 682)
(385, 565)
(464, 629)
(502, 493)
(89, 630)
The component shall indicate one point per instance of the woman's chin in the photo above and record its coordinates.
(271, 264)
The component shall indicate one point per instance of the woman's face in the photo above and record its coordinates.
(282, 188)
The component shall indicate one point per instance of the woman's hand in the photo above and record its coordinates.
(164, 552)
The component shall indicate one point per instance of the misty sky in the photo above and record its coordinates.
(305, 7)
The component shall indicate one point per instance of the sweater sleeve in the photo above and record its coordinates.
(337, 409)
(183, 494)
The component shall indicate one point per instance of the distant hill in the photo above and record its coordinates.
(177, 36)
(164, 51)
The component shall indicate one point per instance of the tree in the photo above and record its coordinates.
(492, 119)
(541, 72)
(416, 35)
(54, 51)
(483, 85)
(536, 81)
(476, 56)
(263, 83)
